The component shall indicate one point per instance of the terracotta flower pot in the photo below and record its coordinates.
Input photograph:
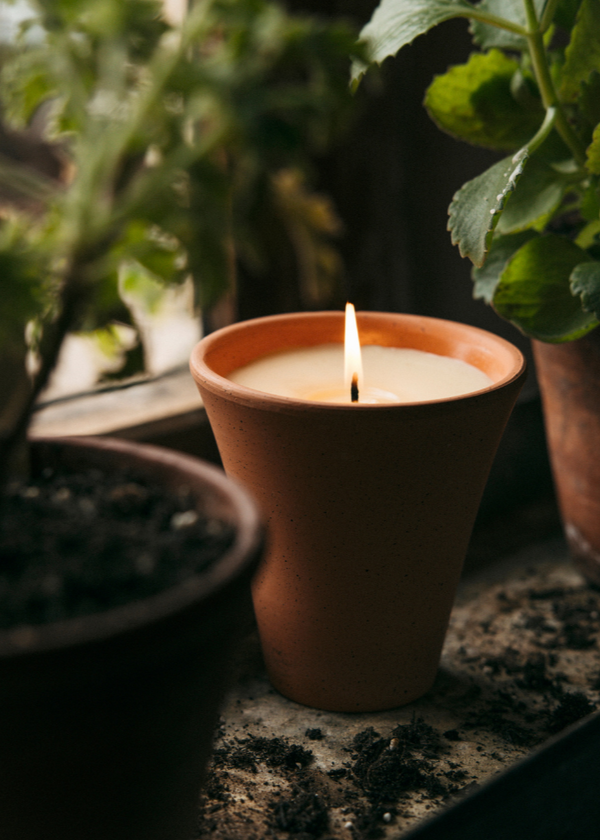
(106, 720)
(369, 507)
(569, 378)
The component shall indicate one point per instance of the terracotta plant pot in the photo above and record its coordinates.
(369, 507)
(106, 720)
(569, 379)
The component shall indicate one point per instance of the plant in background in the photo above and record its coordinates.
(167, 136)
(531, 223)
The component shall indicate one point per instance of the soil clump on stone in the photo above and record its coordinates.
(521, 663)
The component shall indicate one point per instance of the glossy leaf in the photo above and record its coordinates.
(487, 277)
(534, 291)
(476, 207)
(585, 282)
(396, 23)
(473, 102)
(492, 36)
(540, 192)
(582, 55)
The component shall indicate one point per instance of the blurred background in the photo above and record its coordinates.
(390, 181)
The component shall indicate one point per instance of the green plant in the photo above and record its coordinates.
(167, 135)
(531, 223)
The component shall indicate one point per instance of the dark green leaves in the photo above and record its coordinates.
(566, 13)
(582, 56)
(534, 291)
(543, 99)
(475, 208)
(487, 277)
(473, 101)
(593, 152)
(395, 23)
(541, 190)
(585, 282)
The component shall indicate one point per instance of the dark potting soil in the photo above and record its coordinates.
(71, 545)
(381, 771)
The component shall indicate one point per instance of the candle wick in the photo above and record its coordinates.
(354, 388)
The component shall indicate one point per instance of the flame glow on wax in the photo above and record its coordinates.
(324, 373)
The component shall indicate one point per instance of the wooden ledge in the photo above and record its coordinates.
(165, 411)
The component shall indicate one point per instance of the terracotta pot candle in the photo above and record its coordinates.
(369, 506)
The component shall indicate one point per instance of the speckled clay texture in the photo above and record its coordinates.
(369, 508)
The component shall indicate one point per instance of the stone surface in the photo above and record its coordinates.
(520, 662)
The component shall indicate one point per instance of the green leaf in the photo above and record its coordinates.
(492, 36)
(585, 282)
(540, 192)
(473, 101)
(534, 291)
(566, 13)
(487, 277)
(396, 23)
(582, 55)
(593, 152)
(476, 207)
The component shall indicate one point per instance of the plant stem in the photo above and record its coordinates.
(543, 131)
(71, 300)
(548, 15)
(494, 20)
(546, 85)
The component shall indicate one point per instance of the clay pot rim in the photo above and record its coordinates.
(236, 506)
(216, 383)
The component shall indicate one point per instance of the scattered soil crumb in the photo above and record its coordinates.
(521, 663)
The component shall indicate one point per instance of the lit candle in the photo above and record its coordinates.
(369, 375)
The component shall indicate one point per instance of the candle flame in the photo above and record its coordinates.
(353, 370)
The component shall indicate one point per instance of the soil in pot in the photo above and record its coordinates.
(123, 602)
(82, 543)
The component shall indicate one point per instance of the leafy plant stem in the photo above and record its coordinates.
(70, 301)
(546, 85)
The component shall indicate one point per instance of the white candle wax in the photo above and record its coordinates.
(391, 375)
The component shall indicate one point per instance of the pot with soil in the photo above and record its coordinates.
(569, 379)
(369, 507)
(111, 677)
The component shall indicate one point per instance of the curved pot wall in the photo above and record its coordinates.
(107, 720)
(369, 508)
(569, 378)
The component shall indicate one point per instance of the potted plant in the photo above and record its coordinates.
(166, 136)
(530, 223)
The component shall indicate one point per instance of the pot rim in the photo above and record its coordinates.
(369, 323)
(234, 500)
